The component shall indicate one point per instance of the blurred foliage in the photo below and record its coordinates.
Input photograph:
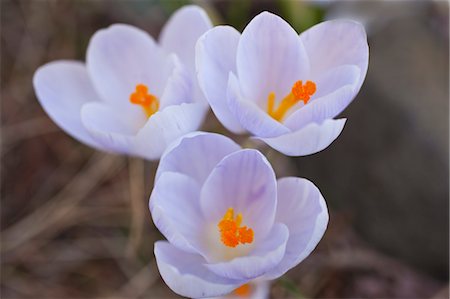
(300, 14)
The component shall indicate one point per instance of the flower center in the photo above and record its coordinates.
(243, 290)
(231, 231)
(299, 92)
(146, 100)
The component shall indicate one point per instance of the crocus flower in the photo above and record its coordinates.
(133, 96)
(283, 88)
(227, 220)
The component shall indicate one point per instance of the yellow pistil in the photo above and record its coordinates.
(146, 100)
(231, 232)
(299, 92)
(243, 291)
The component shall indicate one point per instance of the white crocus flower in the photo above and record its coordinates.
(228, 221)
(133, 96)
(283, 88)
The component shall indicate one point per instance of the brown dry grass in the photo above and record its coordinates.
(75, 222)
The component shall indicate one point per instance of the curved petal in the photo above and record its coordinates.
(196, 154)
(309, 140)
(302, 208)
(182, 31)
(215, 58)
(335, 78)
(270, 58)
(179, 86)
(62, 88)
(265, 257)
(336, 89)
(249, 115)
(186, 275)
(175, 209)
(165, 126)
(244, 181)
(104, 117)
(108, 127)
(334, 43)
(122, 56)
(259, 289)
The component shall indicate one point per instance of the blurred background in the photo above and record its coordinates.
(75, 222)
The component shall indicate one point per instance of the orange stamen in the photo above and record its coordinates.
(243, 291)
(231, 232)
(147, 101)
(299, 92)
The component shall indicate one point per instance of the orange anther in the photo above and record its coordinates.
(299, 92)
(243, 291)
(231, 232)
(147, 101)
(303, 92)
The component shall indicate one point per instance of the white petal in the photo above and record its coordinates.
(175, 208)
(259, 289)
(186, 275)
(265, 257)
(335, 88)
(309, 140)
(335, 78)
(182, 31)
(334, 43)
(122, 56)
(215, 58)
(196, 154)
(302, 208)
(179, 86)
(244, 181)
(249, 115)
(270, 58)
(62, 88)
(165, 126)
(108, 127)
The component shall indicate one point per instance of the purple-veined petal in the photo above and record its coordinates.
(121, 57)
(175, 208)
(215, 58)
(179, 86)
(196, 154)
(244, 181)
(270, 58)
(334, 43)
(62, 88)
(335, 78)
(108, 127)
(186, 275)
(251, 116)
(308, 140)
(268, 253)
(335, 90)
(165, 126)
(302, 208)
(181, 32)
(179, 36)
